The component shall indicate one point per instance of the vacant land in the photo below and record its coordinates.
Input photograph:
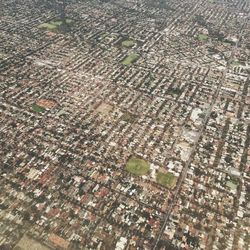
(104, 109)
(46, 103)
(28, 243)
(128, 117)
(166, 179)
(130, 59)
(137, 166)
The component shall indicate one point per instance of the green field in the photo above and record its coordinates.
(108, 37)
(174, 91)
(137, 166)
(232, 185)
(236, 63)
(166, 179)
(128, 43)
(130, 59)
(53, 25)
(37, 108)
(202, 37)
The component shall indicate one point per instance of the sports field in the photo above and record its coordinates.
(137, 166)
(128, 43)
(166, 179)
(53, 25)
(130, 59)
(37, 108)
(202, 37)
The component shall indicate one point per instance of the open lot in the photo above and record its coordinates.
(28, 243)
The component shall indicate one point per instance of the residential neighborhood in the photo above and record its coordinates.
(125, 124)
